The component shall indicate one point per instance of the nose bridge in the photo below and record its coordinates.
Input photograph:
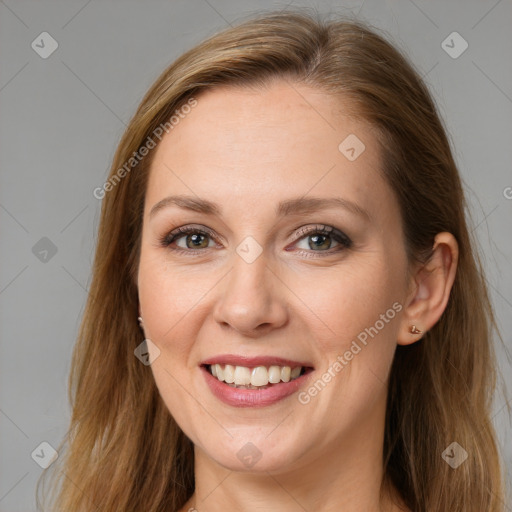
(250, 299)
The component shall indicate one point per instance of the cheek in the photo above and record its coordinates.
(168, 300)
(361, 306)
(353, 298)
(361, 309)
(167, 296)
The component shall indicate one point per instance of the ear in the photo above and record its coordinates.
(430, 285)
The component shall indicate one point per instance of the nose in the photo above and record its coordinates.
(252, 300)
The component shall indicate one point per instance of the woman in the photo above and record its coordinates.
(284, 227)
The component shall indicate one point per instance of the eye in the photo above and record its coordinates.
(193, 238)
(320, 239)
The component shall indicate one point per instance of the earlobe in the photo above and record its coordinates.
(431, 286)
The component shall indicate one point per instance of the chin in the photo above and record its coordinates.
(256, 454)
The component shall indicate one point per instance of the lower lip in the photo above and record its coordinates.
(237, 397)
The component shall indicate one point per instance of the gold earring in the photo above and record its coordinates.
(415, 330)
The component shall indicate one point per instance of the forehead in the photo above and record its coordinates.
(263, 145)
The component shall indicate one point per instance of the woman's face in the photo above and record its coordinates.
(302, 264)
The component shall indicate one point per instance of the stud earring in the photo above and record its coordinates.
(140, 321)
(415, 330)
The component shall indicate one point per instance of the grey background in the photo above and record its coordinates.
(62, 117)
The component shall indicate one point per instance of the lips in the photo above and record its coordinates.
(242, 381)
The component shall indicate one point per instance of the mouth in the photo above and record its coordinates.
(252, 382)
(258, 377)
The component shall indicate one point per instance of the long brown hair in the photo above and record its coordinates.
(124, 451)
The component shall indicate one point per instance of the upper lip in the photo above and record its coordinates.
(238, 360)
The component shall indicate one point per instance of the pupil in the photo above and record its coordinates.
(196, 239)
(315, 239)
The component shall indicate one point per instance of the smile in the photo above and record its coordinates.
(254, 382)
(260, 377)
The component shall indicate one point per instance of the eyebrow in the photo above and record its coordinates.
(295, 206)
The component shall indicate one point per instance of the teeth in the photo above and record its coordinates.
(229, 374)
(274, 374)
(242, 376)
(286, 373)
(295, 372)
(260, 376)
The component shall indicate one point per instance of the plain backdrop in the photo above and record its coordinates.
(62, 117)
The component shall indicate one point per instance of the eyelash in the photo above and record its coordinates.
(338, 236)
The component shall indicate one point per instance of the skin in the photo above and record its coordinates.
(247, 150)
